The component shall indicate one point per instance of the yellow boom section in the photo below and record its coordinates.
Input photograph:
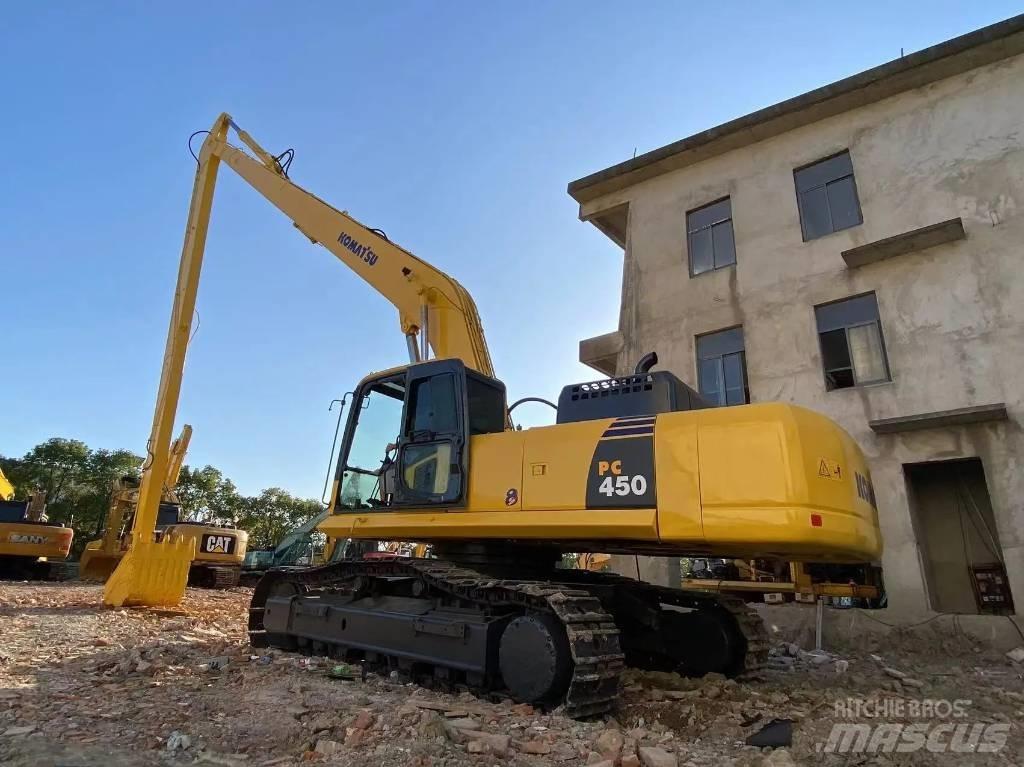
(6, 488)
(177, 458)
(413, 286)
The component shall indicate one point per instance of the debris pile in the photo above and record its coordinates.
(85, 685)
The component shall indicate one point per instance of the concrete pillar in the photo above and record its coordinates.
(661, 571)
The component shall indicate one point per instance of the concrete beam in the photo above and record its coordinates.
(602, 352)
(613, 222)
(907, 242)
(956, 417)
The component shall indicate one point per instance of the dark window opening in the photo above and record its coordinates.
(722, 367)
(827, 196)
(432, 406)
(852, 348)
(486, 406)
(709, 237)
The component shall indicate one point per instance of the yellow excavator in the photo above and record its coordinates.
(219, 550)
(31, 548)
(635, 464)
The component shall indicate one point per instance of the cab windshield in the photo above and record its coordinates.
(379, 414)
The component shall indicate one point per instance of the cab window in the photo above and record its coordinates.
(379, 421)
(426, 463)
(432, 407)
(486, 403)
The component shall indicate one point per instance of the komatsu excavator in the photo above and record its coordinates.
(219, 550)
(30, 546)
(635, 464)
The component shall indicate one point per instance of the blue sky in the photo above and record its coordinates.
(454, 126)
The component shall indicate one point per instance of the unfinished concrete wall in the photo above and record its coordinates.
(951, 315)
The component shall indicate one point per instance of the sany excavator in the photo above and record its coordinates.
(30, 546)
(633, 465)
(219, 550)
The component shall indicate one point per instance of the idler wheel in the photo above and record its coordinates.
(535, 659)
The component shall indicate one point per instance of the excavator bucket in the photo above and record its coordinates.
(151, 573)
(96, 565)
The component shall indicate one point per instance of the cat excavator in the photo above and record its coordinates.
(219, 550)
(636, 464)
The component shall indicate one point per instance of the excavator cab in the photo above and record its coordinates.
(407, 438)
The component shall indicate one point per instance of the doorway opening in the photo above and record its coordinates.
(956, 531)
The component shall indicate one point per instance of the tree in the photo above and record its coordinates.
(55, 466)
(206, 495)
(270, 515)
(103, 468)
(77, 481)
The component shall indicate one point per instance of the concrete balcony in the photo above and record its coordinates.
(602, 352)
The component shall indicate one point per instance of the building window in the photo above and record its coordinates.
(709, 237)
(827, 196)
(722, 367)
(852, 349)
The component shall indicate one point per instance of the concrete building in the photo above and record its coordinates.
(858, 250)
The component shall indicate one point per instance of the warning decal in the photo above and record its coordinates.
(829, 469)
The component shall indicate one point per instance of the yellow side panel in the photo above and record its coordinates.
(787, 481)
(26, 540)
(495, 467)
(678, 482)
(195, 533)
(528, 485)
(556, 464)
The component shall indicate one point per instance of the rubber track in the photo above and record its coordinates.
(226, 577)
(214, 576)
(592, 633)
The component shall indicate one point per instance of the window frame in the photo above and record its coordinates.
(852, 175)
(877, 321)
(710, 228)
(720, 360)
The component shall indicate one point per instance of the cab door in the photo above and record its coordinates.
(432, 463)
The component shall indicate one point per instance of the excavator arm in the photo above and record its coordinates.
(435, 313)
(177, 458)
(298, 537)
(424, 296)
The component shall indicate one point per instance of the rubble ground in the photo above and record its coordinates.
(82, 685)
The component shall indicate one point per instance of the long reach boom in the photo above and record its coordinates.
(435, 313)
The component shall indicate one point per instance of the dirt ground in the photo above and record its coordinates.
(82, 686)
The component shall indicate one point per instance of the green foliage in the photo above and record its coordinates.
(206, 495)
(271, 514)
(78, 482)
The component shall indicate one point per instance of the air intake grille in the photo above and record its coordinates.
(612, 387)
